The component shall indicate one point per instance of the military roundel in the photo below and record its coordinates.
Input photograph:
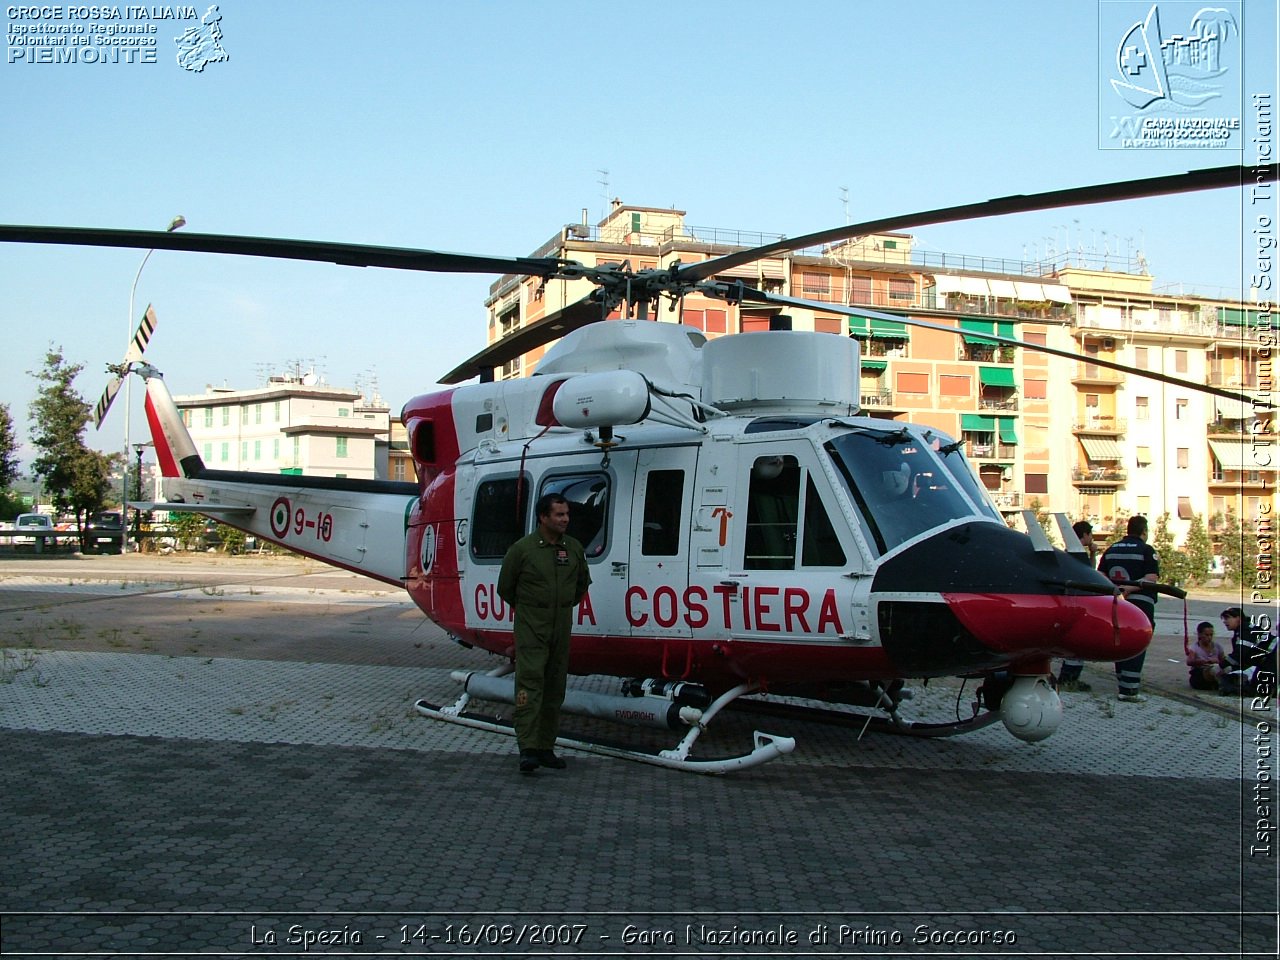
(280, 514)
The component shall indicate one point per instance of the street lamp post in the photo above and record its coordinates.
(137, 489)
(174, 224)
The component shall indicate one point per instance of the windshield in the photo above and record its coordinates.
(959, 468)
(897, 484)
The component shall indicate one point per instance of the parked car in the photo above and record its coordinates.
(104, 533)
(33, 521)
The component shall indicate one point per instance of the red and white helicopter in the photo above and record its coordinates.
(748, 531)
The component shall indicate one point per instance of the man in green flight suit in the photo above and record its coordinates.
(543, 577)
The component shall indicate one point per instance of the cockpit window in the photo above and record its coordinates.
(898, 485)
(960, 469)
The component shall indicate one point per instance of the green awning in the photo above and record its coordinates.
(996, 376)
(977, 423)
(1238, 318)
(873, 366)
(866, 327)
(889, 329)
(971, 328)
(1008, 433)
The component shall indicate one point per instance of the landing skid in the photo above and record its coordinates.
(766, 746)
(862, 721)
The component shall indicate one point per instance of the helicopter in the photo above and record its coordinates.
(749, 531)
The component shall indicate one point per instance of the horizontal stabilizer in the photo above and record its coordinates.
(218, 509)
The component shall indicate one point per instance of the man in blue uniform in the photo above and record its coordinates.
(1131, 559)
(543, 577)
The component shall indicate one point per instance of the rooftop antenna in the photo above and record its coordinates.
(844, 198)
(604, 192)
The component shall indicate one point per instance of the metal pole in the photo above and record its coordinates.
(174, 224)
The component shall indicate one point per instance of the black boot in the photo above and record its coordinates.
(548, 758)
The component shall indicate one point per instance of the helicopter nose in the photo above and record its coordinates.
(1002, 600)
(1079, 627)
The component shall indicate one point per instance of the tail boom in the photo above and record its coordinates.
(359, 525)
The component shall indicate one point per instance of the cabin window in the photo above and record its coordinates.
(498, 517)
(774, 511)
(588, 496)
(663, 497)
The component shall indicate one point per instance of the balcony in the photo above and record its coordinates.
(882, 399)
(988, 450)
(1098, 476)
(1113, 426)
(1007, 501)
(998, 403)
(1092, 375)
(889, 349)
(1243, 479)
(1013, 309)
(982, 353)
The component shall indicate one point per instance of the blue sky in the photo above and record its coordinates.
(482, 128)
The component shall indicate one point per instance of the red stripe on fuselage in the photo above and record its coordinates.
(716, 663)
(438, 591)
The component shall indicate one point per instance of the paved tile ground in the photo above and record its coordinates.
(173, 783)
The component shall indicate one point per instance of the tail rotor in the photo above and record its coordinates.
(137, 346)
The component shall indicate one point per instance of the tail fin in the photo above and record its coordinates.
(175, 452)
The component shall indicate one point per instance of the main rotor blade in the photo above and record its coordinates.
(759, 296)
(551, 327)
(347, 254)
(1207, 179)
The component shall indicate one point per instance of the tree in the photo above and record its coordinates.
(1173, 565)
(77, 478)
(233, 540)
(10, 503)
(8, 449)
(188, 528)
(1197, 550)
(1233, 552)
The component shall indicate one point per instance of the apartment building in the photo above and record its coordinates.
(293, 425)
(1068, 433)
